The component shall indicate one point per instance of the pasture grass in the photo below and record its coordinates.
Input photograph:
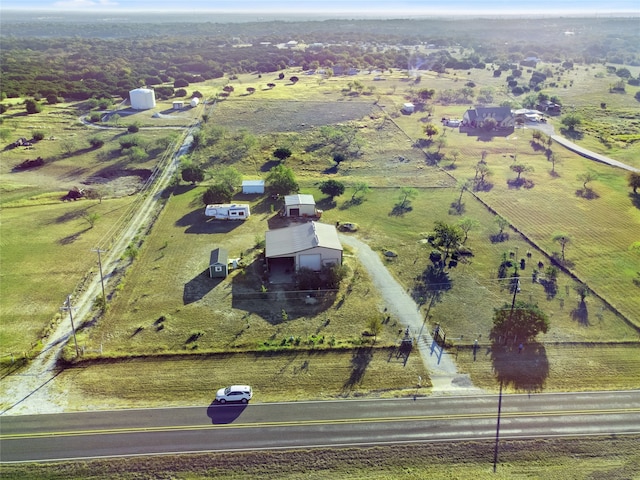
(571, 459)
(43, 260)
(170, 271)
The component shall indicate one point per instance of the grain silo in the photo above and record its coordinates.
(142, 98)
(195, 101)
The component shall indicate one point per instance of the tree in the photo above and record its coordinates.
(281, 180)
(447, 237)
(32, 106)
(488, 124)
(374, 326)
(634, 181)
(294, 79)
(467, 224)
(229, 177)
(218, 193)
(91, 218)
(554, 159)
(193, 174)
(455, 154)
(282, 153)
(360, 188)
(406, 195)
(587, 177)
(563, 239)
(339, 158)
(520, 168)
(430, 130)
(332, 188)
(52, 99)
(502, 224)
(571, 121)
(271, 85)
(251, 90)
(519, 322)
(463, 185)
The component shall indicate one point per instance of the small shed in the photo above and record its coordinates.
(408, 108)
(299, 206)
(194, 102)
(253, 186)
(219, 263)
(178, 105)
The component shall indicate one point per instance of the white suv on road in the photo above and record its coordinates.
(234, 393)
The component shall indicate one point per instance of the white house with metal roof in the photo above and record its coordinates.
(308, 245)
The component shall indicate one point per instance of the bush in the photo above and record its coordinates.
(38, 135)
(133, 129)
(96, 142)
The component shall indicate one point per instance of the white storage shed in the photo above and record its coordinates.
(253, 187)
(194, 102)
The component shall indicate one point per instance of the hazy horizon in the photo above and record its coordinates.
(332, 8)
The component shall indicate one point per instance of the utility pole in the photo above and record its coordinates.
(495, 449)
(104, 297)
(67, 306)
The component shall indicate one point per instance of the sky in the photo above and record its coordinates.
(363, 7)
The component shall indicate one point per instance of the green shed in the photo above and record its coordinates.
(219, 263)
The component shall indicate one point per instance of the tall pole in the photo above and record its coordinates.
(495, 449)
(69, 307)
(104, 297)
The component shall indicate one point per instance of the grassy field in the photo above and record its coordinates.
(166, 304)
(571, 459)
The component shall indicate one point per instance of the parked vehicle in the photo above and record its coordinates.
(234, 393)
(228, 211)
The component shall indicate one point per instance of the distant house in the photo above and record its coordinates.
(530, 62)
(219, 263)
(475, 117)
(308, 245)
(299, 206)
(250, 187)
(549, 107)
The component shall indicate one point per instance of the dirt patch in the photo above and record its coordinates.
(269, 117)
(120, 182)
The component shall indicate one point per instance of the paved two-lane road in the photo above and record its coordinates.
(314, 424)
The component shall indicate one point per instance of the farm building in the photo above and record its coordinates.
(219, 263)
(309, 245)
(475, 117)
(299, 206)
(142, 98)
(178, 105)
(253, 186)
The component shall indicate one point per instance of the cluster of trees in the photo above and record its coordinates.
(94, 64)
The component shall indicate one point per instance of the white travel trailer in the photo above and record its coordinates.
(228, 211)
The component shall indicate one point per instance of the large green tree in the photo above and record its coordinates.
(281, 180)
(447, 237)
(521, 322)
(333, 188)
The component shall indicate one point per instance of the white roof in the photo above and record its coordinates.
(292, 240)
(252, 183)
(302, 199)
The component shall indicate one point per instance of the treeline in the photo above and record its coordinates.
(85, 66)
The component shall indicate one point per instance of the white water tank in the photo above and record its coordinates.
(142, 98)
(195, 101)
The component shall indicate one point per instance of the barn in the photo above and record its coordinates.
(219, 263)
(253, 187)
(299, 206)
(308, 245)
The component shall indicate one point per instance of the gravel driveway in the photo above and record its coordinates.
(442, 369)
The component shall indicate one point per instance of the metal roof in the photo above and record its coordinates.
(300, 199)
(292, 240)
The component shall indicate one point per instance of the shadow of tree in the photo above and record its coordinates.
(352, 202)
(526, 370)
(587, 194)
(430, 285)
(399, 210)
(521, 182)
(499, 237)
(269, 164)
(635, 199)
(359, 363)
(581, 314)
(572, 134)
(327, 203)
